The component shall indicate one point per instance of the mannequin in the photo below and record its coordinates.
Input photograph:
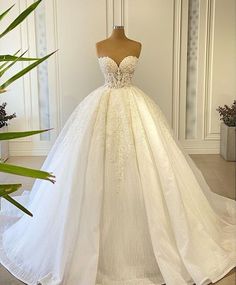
(118, 46)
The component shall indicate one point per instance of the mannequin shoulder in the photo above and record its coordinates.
(100, 45)
(137, 46)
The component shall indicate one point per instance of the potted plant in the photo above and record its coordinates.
(4, 145)
(228, 131)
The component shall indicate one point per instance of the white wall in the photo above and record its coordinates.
(151, 22)
(161, 25)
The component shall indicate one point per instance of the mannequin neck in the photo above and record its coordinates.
(118, 33)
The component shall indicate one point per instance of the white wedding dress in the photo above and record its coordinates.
(129, 206)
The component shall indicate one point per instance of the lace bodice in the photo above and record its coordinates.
(118, 76)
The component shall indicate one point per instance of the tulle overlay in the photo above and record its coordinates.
(129, 206)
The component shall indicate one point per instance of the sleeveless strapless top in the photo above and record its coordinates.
(118, 76)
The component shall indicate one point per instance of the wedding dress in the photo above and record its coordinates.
(129, 206)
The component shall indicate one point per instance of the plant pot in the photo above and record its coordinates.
(228, 142)
(4, 146)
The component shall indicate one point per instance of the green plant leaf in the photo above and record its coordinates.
(6, 12)
(24, 71)
(18, 205)
(6, 189)
(8, 57)
(11, 64)
(24, 171)
(20, 18)
(6, 61)
(14, 135)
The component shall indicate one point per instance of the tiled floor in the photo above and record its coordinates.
(219, 174)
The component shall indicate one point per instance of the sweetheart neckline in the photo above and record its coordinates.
(118, 65)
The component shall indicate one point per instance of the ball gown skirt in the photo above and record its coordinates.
(129, 206)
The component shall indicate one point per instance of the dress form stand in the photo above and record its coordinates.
(118, 45)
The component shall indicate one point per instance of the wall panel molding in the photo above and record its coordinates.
(213, 79)
(27, 104)
(209, 134)
(182, 77)
(177, 45)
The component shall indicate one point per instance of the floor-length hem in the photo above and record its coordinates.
(14, 269)
(24, 277)
(225, 272)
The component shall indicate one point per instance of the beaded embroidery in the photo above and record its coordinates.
(118, 76)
